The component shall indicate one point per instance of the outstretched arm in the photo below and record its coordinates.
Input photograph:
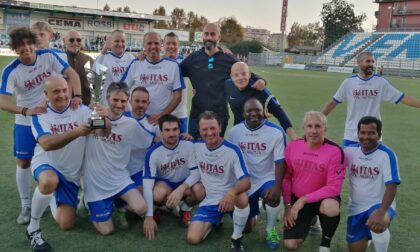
(411, 101)
(329, 107)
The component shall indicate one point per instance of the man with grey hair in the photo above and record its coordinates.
(312, 183)
(364, 93)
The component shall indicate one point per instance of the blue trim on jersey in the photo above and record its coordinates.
(38, 127)
(399, 99)
(128, 68)
(116, 56)
(193, 168)
(369, 78)
(166, 147)
(116, 119)
(257, 128)
(5, 76)
(273, 125)
(157, 62)
(371, 151)
(62, 62)
(393, 163)
(146, 171)
(336, 101)
(279, 161)
(129, 114)
(241, 158)
(57, 112)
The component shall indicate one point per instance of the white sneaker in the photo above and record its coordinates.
(82, 210)
(324, 249)
(24, 216)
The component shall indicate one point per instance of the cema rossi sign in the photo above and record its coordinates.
(105, 25)
(133, 27)
(65, 23)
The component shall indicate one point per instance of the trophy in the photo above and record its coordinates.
(96, 76)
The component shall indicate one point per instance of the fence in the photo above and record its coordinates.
(277, 59)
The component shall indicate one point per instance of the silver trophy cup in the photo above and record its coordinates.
(96, 76)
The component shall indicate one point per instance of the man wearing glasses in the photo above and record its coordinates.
(208, 69)
(77, 61)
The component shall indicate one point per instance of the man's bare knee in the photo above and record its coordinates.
(291, 244)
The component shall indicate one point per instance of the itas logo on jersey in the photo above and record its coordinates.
(365, 93)
(153, 79)
(173, 165)
(33, 83)
(118, 70)
(252, 147)
(309, 165)
(112, 138)
(363, 171)
(211, 169)
(57, 128)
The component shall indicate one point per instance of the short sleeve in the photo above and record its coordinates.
(390, 93)
(340, 95)
(39, 127)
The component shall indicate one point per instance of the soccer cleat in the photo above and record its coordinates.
(185, 218)
(82, 211)
(157, 214)
(324, 249)
(24, 216)
(120, 220)
(37, 243)
(273, 239)
(236, 245)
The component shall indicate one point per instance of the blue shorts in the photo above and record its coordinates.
(183, 124)
(137, 178)
(172, 185)
(101, 210)
(356, 224)
(66, 191)
(254, 208)
(209, 214)
(24, 142)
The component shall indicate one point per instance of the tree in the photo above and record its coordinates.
(231, 31)
(245, 47)
(119, 9)
(127, 9)
(338, 19)
(160, 12)
(308, 35)
(107, 8)
(178, 19)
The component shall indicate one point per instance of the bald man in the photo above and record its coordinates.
(77, 60)
(56, 165)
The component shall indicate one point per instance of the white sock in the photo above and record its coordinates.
(272, 213)
(381, 241)
(240, 217)
(40, 202)
(53, 207)
(23, 181)
(185, 207)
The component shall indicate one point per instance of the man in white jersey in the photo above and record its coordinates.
(262, 144)
(106, 178)
(170, 175)
(364, 93)
(57, 162)
(226, 180)
(44, 34)
(374, 177)
(160, 76)
(25, 76)
(171, 47)
(116, 60)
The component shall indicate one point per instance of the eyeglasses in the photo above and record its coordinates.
(210, 66)
(71, 40)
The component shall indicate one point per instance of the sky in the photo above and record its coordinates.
(264, 14)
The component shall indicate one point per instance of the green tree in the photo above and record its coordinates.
(308, 35)
(126, 9)
(178, 19)
(245, 47)
(339, 18)
(160, 12)
(107, 8)
(232, 32)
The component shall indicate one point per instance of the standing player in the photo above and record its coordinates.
(364, 93)
(25, 76)
(171, 47)
(57, 162)
(116, 60)
(315, 171)
(262, 144)
(170, 174)
(44, 34)
(160, 76)
(374, 177)
(106, 177)
(226, 180)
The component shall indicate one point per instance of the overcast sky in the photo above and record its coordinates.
(259, 14)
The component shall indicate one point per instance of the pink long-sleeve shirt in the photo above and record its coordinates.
(314, 173)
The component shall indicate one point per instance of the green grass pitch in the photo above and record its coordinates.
(298, 92)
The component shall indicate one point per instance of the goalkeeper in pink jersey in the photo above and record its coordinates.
(315, 171)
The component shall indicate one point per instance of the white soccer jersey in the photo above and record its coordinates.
(262, 148)
(172, 165)
(151, 128)
(117, 65)
(364, 98)
(27, 81)
(62, 54)
(160, 79)
(67, 160)
(220, 169)
(369, 174)
(181, 110)
(106, 159)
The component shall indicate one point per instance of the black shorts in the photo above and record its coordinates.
(303, 222)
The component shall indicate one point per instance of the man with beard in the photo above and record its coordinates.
(208, 69)
(364, 93)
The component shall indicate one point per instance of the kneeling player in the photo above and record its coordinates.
(56, 165)
(262, 144)
(374, 177)
(171, 163)
(106, 177)
(225, 179)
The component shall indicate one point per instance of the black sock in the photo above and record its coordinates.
(328, 225)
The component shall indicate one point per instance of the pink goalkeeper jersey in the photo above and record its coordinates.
(315, 173)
